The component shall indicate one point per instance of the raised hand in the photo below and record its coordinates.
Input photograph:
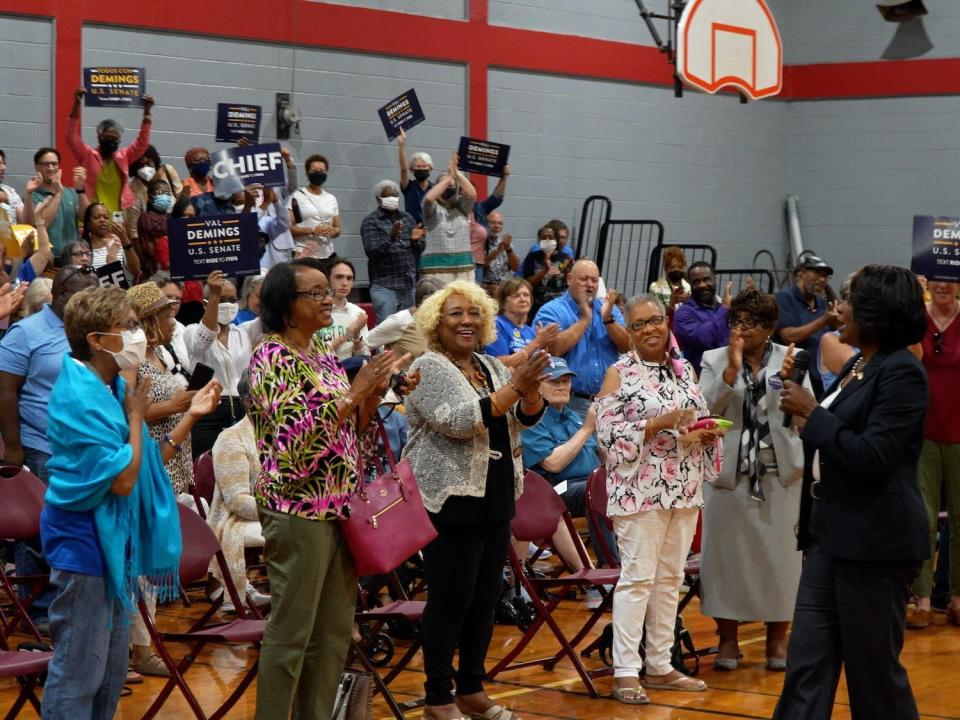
(728, 294)
(137, 400)
(418, 233)
(34, 183)
(10, 299)
(148, 102)
(374, 375)
(545, 335)
(401, 138)
(215, 282)
(180, 401)
(205, 400)
(735, 351)
(786, 367)
(527, 376)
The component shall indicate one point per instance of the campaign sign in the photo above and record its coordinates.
(936, 248)
(238, 167)
(198, 246)
(482, 156)
(114, 86)
(238, 122)
(112, 275)
(403, 112)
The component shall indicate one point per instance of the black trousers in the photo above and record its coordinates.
(229, 412)
(851, 615)
(464, 570)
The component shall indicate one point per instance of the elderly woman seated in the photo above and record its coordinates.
(233, 511)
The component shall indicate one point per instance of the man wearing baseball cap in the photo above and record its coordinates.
(805, 314)
(563, 447)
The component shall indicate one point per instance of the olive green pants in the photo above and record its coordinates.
(939, 472)
(313, 595)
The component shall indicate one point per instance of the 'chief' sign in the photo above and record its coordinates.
(241, 166)
(198, 246)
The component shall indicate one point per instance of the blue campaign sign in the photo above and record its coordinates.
(403, 111)
(936, 248)
(483, 156)
(241, 166)
(114, 86)
(238, 122)
(200, 245)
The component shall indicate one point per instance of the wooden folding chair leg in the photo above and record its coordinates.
(27, 694)
(401, 664)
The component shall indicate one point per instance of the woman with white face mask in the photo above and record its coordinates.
(109, 515)
(170, 400)
(216, 342)
(545, 268)
(147, 168)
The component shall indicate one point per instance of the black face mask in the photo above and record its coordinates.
(317, 178)
(449, 193)
(675, 276)
(421, 175)
(108, 147)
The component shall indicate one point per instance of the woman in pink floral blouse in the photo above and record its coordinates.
(655, 470)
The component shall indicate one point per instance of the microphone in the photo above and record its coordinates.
(801, 364)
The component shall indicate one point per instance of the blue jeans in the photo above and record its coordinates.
(90, 638)
(387, 302)
(28, 554)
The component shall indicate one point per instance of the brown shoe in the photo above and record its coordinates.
(953, 615)
(919, 619)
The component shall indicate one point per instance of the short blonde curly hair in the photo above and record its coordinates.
(429, 313)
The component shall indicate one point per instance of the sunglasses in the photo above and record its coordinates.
(938, 342)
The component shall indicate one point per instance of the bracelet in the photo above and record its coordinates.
(515, 388)
(80, 191)
(169, 441)
(535, 402)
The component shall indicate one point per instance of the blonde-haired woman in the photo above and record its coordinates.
(465, 417)
(39, 293)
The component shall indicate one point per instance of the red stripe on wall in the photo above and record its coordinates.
(884, 78)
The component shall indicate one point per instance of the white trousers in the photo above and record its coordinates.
(653, 550)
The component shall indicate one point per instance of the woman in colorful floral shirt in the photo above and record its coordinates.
(655, 470)
(307, 419)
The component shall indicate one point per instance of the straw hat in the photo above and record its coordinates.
(147, 298)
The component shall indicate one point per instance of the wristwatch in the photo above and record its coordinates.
(610, 320)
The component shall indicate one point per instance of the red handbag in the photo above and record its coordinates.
(388, 522)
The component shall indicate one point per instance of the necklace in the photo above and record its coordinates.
(475, 376)
(945, 323)
(857, 370)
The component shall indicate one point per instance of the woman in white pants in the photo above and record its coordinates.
(655, 470)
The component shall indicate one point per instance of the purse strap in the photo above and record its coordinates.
(378, 464)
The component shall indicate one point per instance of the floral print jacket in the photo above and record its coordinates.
(660, 474)
(309, 458)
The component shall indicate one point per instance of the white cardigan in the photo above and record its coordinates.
(448, 444)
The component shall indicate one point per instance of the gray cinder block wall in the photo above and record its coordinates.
(712, 170)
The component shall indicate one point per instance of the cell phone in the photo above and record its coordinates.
(202, 374)
(118, 217)
(711, 423)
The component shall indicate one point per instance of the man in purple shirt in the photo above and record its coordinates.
(700, 324)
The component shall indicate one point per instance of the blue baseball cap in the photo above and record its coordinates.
(558, 368)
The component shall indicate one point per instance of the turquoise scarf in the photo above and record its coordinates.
(88, 432)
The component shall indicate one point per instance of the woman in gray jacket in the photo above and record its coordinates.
(750, 567)
(465, 417)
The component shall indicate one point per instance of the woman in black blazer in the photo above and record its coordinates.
(862, 525)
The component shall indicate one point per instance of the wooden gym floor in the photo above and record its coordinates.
(931, 657)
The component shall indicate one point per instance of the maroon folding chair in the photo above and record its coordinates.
(597, 514)
(22, 494)
(200, 545)
(26, 666)
(376, 616)
(539, 511)
(204, 481)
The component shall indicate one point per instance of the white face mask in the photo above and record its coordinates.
(146, 173)
(226, 312)
(390, 202)
(548, 246)
(134, 349)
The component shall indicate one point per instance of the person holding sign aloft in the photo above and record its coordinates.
(108, 166)
(446, 207)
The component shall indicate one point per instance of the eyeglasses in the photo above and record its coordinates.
(49, 163)
(938, 342)
(747, 323)
(131, 325)
(81, 253)
(655, 321)
(317, 294)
